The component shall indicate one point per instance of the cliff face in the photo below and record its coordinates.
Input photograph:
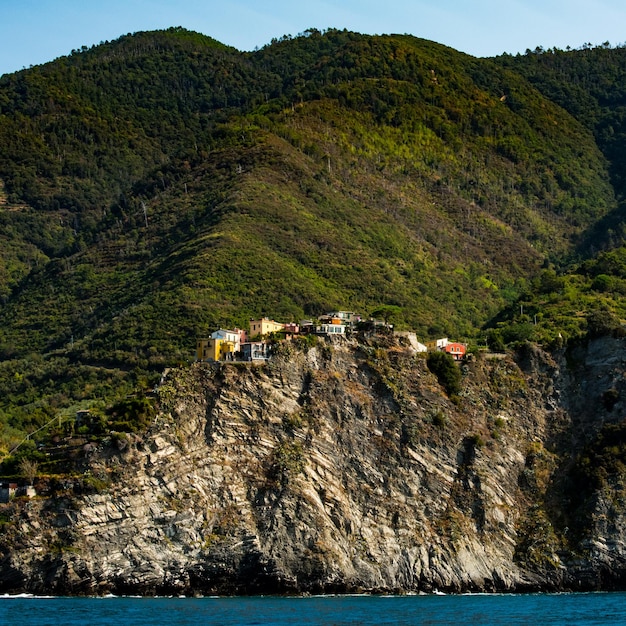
(341, 468)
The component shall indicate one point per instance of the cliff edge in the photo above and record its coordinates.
(345, 467)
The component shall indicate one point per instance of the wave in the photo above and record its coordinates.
(30, 596)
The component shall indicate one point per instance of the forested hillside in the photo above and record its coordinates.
(161, 185)
(590, 83)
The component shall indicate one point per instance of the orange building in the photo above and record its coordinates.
(455, 350)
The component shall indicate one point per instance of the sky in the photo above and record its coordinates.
(37, 31)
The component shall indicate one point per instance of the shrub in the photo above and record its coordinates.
(131, 415)
(603, 283)
(602, 322)
(495, 341)
(439, 419)
(287, 461)
(442, 365)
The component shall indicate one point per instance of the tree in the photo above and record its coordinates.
(28, 469)
(495, 341)
(387, 312)
(442, 365)
(604, 323)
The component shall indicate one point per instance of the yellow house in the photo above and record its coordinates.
(437, 344)
(264, 326)
(202, 349)
(214, 349)
(220, 344)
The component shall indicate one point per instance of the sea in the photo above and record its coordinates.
(460, 610)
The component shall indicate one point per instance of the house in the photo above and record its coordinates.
(330, 330)
(291, 330)
(437, 344)
(220, 345)
(349, 318)
(456, 350)
(264, 326)
(235, 337)
(7, 491)
(214, 349)
(204, 351)
(255, 351)
(328, 319)
(307, 326)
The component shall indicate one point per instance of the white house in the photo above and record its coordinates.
(330, 329)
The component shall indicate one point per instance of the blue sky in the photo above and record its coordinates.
(36, 31)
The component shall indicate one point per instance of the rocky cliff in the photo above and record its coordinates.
(344, 467)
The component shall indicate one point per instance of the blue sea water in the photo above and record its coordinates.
(536, 609)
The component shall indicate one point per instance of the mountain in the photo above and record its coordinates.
(163, 184)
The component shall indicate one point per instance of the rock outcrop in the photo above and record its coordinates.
(343, 467)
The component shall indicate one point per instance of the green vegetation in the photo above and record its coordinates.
(131, 415)
(160, 185)
(286, 463)
(589, 84)
(587, 302)
(442, 365)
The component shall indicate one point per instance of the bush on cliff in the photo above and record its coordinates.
(442, 365)
(131, 415)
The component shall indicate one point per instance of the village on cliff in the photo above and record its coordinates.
(256, 343)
